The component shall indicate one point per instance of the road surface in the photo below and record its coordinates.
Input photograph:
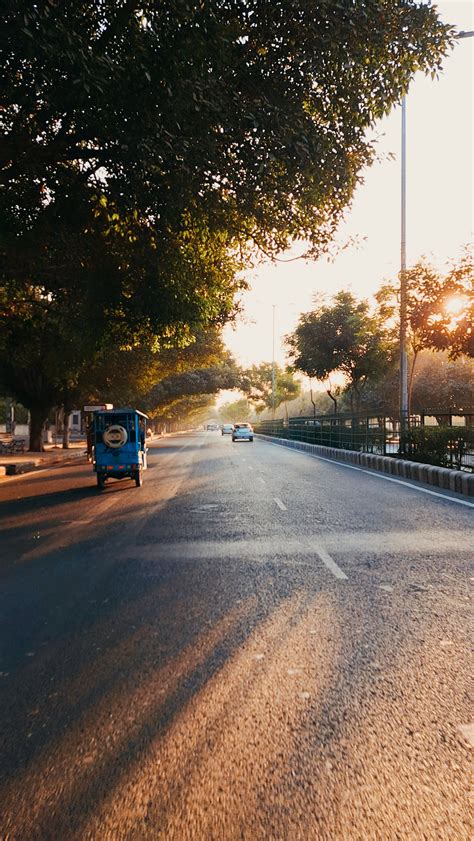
(257, 645)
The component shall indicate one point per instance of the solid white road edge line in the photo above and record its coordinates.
(376, 475)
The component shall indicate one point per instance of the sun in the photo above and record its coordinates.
(455, 304)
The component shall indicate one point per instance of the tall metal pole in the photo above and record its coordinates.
(273, 364)
(404, 420)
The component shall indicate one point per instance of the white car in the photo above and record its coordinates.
(242, 432)
(227, 428)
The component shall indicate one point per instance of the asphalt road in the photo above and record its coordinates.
(257, 644)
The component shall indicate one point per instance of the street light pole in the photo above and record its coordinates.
(404, 420)
(273, 364)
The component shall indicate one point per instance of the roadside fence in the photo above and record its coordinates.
(440, 438)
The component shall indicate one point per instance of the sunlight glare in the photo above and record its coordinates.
(455, 304)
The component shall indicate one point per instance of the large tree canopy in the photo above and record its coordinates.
(146, 145)
(249, 114)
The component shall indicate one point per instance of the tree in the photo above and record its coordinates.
(93, 295)
(198, 381)
(287, 388)
(459, 304)
(234, 412)
(179, 414)
(440, 311)
(136, 375)
(439, 384)
(310, 403)
(251, 116)
(319, 399)
(147, 146)
(257, 384)
(342, 338)
(443, 384)
(42, 351)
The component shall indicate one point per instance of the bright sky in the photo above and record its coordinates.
(440, 218)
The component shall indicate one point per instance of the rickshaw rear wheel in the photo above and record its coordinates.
(139, 478)
(100, 482)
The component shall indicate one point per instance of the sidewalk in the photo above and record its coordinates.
(17, 463)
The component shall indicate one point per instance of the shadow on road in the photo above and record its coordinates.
(14, 507)
(115, 663)
(119, 665)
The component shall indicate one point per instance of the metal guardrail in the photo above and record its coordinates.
(442, 438)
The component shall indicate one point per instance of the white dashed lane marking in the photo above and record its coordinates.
(467, 732)
(280, 503)
(254, 549)
(329, 563)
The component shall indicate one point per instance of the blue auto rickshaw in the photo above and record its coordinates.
(119, 445)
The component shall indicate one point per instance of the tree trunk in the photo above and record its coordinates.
(411, 382)
(311, 397)
(57, 418)
(38, 416)
(328, 392)
(355, 398)
(66, 429)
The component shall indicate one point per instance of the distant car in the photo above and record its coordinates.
(212, 427)
(227, 428)
(242, 432)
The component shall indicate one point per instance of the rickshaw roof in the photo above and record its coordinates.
(125, 410)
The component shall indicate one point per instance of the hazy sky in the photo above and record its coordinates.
(440, 218)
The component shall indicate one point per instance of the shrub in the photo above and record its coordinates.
(445, 446)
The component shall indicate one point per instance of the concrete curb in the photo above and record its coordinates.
(440, 477)
(18, 468)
